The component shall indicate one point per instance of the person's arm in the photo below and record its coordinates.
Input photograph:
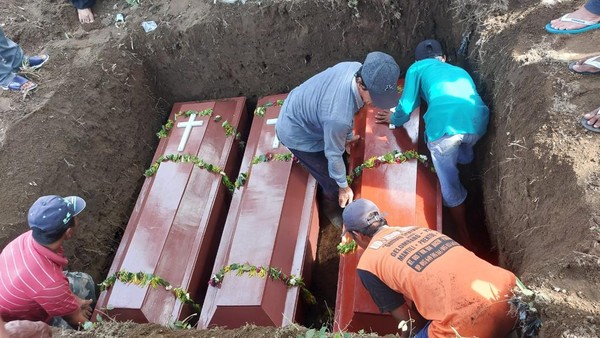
(81, 315)
(410, 98)
(335, 136)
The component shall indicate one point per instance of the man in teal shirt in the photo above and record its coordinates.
(455, 119)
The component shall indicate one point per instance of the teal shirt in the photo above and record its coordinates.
(453, 104)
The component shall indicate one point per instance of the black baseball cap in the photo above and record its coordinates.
(428, 49)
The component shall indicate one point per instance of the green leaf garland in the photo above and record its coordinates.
(263, 272)
(143, 279)
(393, 157)
(164, 130)
(261, 110)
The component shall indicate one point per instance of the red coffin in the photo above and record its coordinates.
(272, 221)
(410, 195)
(177, 221)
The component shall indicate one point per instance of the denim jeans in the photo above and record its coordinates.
(424, 332)
(11, 59)
(593, 6)
(446, 152)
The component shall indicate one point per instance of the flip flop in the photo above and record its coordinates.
(36, 61)
(17, 84)
(591, 62)
(565, 18)
(589, 126)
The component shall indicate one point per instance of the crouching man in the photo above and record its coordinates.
(428, 280)
(35, 287)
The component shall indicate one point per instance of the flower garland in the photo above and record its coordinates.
(142, 279)
(263, 272)
(392, 157)
(268, 157)
(200, 163)
(347, 247)
(230, 130)
(261, 110)
(164, 130)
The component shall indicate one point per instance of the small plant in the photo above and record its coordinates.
(133, 2)
(346, 247)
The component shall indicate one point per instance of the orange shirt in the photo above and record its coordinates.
(448, 284)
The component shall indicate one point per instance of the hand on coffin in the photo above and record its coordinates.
(345, 196)
(350, 143)
(383, 116)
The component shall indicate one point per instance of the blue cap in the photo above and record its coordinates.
(49, 216)
(428, 49)
(360, 214)
(380, 74)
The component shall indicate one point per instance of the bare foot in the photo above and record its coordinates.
(587, 65)
(580, 14)
(593, 118)
(85, 15)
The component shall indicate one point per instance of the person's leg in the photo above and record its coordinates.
(317, 165)
(84, 10)
(444, 155)
(82, 285)
(11, 58)
(591, 120)
(588, 65)
(589, 12)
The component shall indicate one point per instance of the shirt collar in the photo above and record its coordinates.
(357, 98)
(57, 258)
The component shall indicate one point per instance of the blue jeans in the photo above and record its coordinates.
(446, 152)
(424, 332)
(11, 59)
(593, 6)
(317, 165)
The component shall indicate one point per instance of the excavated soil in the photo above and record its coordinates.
(89, 129)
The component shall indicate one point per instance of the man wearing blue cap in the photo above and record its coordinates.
(35, 287)
(317, 118)
(455, 120)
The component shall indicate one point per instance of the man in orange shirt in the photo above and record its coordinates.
(428, 280)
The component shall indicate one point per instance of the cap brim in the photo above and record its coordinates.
(77, 202)
(384, 100)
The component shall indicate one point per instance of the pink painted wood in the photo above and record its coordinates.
(176, 224)
(410, 195)
(272, 221)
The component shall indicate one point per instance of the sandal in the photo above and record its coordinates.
(36, 61)
(21, 84)
(589, 25)
(594, 61)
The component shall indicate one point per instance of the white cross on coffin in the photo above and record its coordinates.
(275, 139)
(188, 129)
